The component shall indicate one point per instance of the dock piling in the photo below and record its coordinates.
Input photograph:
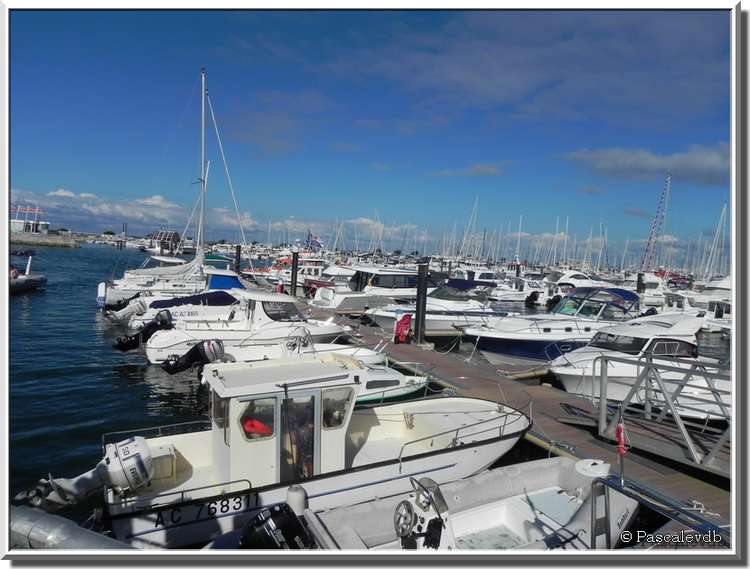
(421, 303)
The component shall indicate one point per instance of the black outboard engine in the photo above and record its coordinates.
(162, 321)
(120, 304)
(276, 528)
(205, 352)
(552, 302)
(530, 300)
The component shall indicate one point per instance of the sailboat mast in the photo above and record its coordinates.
(203, 156)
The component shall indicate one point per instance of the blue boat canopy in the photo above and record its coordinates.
(224, 282)
(217, 298)
(626, 295)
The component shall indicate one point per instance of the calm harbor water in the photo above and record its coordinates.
(68, 385)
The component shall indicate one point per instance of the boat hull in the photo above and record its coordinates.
(497, 349)
(196, 522)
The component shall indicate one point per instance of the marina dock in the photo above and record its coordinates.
(549, 408)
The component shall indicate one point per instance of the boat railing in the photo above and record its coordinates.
(184, 495)
(683, 397)
(157, 431)
(514, 415)
(681, 513)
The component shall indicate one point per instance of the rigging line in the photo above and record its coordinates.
(226, 169)
(190, 219)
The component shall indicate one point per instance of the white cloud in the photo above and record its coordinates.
(87, 196)
(702, 165)
(61, 193)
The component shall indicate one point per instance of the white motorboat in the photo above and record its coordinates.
(260, 318)
(272, 425)
(448, 310)
(370, 287)
(167, 279)
(23, 282)
(665, 338)
(214, 301)
(539, 505)
(570, 325)
(519, 289)
(717, 289)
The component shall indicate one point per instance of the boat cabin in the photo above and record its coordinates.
(663, 335)
(382, 277)
(293, 429)
(595, 303)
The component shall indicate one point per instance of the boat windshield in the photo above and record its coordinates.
(283, 311)
(568, 306)
(618, 343)
(449, 293)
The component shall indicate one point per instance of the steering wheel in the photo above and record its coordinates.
(420, 489)
(403, 518)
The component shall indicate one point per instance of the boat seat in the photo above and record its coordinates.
(377, 451)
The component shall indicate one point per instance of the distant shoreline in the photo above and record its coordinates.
(43, 240)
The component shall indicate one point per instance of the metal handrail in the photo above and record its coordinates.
(672, 401)
(516, 414)
(655, 501)
(159, 430)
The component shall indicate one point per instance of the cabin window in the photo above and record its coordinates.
(257, 420)
(283, 311)
(675, 348)
(220, 413)
(618, 343)
(381, 383)
(336, 405)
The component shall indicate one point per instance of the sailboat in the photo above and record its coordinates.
(172, 277)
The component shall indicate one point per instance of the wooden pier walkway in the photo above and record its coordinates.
(549, 407)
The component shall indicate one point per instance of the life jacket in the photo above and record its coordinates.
(254, 427)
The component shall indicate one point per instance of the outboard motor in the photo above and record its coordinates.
(277, 527)
(162, 321)
(120, 304)
(127, 465)
(205, 352)
(552, 302)
(531, 300)
(135, 308)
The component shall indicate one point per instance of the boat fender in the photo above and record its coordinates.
(205, 352)
(296, 497)
(162, 321)
(532, 298)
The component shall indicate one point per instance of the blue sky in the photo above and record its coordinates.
(400, 118)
